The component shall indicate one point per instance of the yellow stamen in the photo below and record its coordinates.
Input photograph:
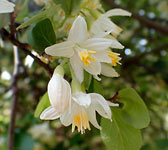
(115, 57)
(81, 121)
(86, 58)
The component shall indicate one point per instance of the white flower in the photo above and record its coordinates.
(6, 7)
(84, 108)
(84, 53)
(104, 24)
(59, 92)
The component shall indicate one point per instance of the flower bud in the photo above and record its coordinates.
(59, 91)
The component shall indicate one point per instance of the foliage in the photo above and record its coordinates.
(143, 74)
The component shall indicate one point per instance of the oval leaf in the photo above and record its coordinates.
(43, 104)
(134, 111)
(41, 35)
(118, 135)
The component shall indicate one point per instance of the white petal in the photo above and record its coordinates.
(108, 71)
(102, 34)
(78, 32)
(102, 56)
(81, 98)
(97, 77)
(116, 44)
(96, 27)
(92, 118)
(112, 104)
(49, 113)
(93, 68)
(97, 44)
(108, 25)
(99, 104)
(77, 68)
(117, 12)
(67, 117)
(59, 92)
(6, 7)
(64, 49)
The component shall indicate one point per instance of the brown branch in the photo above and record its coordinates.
(149, 23)
(15, 99)
(24, 47)
(114, 98)
(13, 86)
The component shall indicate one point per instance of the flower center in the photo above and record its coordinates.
(81, 121)
(114, 57)
(86, 58)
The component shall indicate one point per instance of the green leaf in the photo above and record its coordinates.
(41, 35)
(69, 6)
(117, 135)
(134, 112)
(43, 104)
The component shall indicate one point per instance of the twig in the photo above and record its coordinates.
(24, 47)
(14, 87)
(15, 99)
(114, 98)
(149, 23)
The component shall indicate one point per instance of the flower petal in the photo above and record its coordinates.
(92, 118)
(112, 104)
(6, 7)
(97, 44)
(93, 68)
(59, 92)
(100, 105)
(117, 12)
(67, 117)
(102, 56)
(78, 32)
(49, 113)
(82, 99)
(108, 71)
(97, 77)
(96, 28)
(108, 25)
(116, 44)
(64, 49)
(77, 68)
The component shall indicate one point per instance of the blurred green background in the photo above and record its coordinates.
(144, 67)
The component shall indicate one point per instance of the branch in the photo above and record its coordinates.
(149, 23)
(15, 99)
(24, 47)
(114, 98)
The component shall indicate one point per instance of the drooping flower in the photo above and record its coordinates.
(84, 53)
(84, 107)
(59, 91)
(6, 7)
(104, 24)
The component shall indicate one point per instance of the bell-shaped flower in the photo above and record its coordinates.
(6, 7)
(84, 53)
(84, 108)
(59, 92)
(104, 24)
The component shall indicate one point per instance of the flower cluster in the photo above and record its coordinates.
(87, 49)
